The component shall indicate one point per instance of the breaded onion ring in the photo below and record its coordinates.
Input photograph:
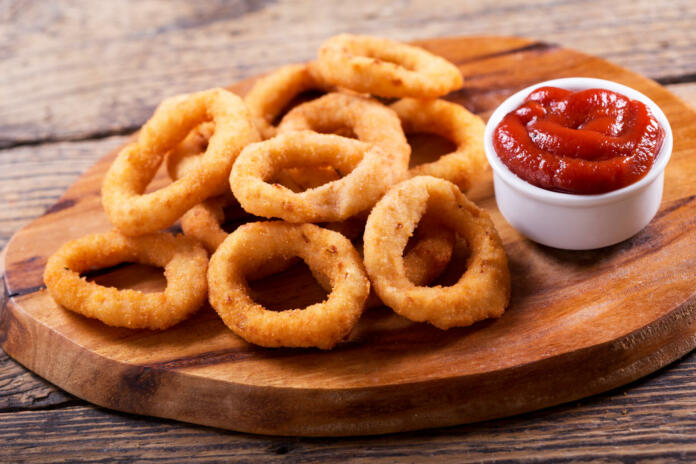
(321, 325)
(385, 68)
(368, 172)
(184, 262)
(368, 119)
(136, 213)
(453, 122)
(430, 254)
(431, 251)
(273, 93)
(185, 155)
(482, 291)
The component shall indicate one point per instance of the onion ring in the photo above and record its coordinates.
(430, 254)
(368, 119)
(370, 171)
(183, 158)
(183, 260)
(136, 213)
(482, 291)
(320, 325)
(432, 250)
(385, 68)
(451, 121)
(273, 93)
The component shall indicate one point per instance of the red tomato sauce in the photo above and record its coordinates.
(583, 142)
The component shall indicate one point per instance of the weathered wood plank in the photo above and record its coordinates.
(71, 71)
(650, 421)
(33, 177)
(22, 390)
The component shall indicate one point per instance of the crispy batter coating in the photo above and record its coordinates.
(204, 221)
(184, 262)
(385, 68)
(307, 177)
(482, 291)
(368, 172)
(464, 165)
(131, 210)
(183, 158)
(273, 93)
(326, 252)
(430, 254)
(431, 251)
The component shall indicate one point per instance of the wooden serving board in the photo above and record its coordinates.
(579, 323)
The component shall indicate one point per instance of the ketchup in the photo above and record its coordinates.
(585, 142)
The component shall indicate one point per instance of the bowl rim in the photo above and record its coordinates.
(570, 199)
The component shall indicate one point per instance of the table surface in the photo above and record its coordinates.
(79, 76)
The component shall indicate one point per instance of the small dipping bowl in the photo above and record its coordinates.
(570, 221)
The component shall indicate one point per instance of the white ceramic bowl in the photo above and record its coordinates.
(577, 222)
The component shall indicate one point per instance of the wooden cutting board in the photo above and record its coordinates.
(579, 323)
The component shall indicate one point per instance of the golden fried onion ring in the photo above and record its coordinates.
(430, 254)
(385, 68)
(482, 291)
(368, 119)
(368, 172)
(184, 262)
(136, 213)
(273, 93)
(320, 325)
(183, 158)
(453, 122)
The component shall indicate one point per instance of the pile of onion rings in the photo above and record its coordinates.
(331, 169)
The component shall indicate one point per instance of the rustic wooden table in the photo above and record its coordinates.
(77, 77)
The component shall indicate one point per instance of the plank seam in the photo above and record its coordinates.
(678, 79)
(49, 407)
(6, 144)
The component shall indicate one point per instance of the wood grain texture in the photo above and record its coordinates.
(578, 323)
(653, 39)
(72, 70)
(618, 427)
